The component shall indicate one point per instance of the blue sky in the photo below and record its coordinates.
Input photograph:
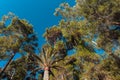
(38, 12)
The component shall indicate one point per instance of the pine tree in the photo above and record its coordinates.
(17, 37)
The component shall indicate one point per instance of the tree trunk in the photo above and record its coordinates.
(1, 73)
(46, 75)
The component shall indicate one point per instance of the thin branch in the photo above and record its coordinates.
(35, 70)
(1, 73)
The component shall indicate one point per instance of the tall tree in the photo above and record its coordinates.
(49, 60)
(101, 28)
(17, 37)
(101, 20)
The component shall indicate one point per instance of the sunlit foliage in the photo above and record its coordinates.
(84, 27)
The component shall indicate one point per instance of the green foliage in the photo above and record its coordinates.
(17, 37)
(50, 57)
(53, 34)
(15, 34)
(20, 69)
(77, 30)
(100, 16)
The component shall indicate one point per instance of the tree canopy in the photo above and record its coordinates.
(84, 27)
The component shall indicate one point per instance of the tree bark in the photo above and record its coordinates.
(1, 73)
(46, 74)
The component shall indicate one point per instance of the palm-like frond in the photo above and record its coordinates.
(49, 57)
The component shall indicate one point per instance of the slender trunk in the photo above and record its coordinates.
(63, 77)
(7, 65)
(46, 75)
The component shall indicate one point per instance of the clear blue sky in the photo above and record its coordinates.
(38, 12)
